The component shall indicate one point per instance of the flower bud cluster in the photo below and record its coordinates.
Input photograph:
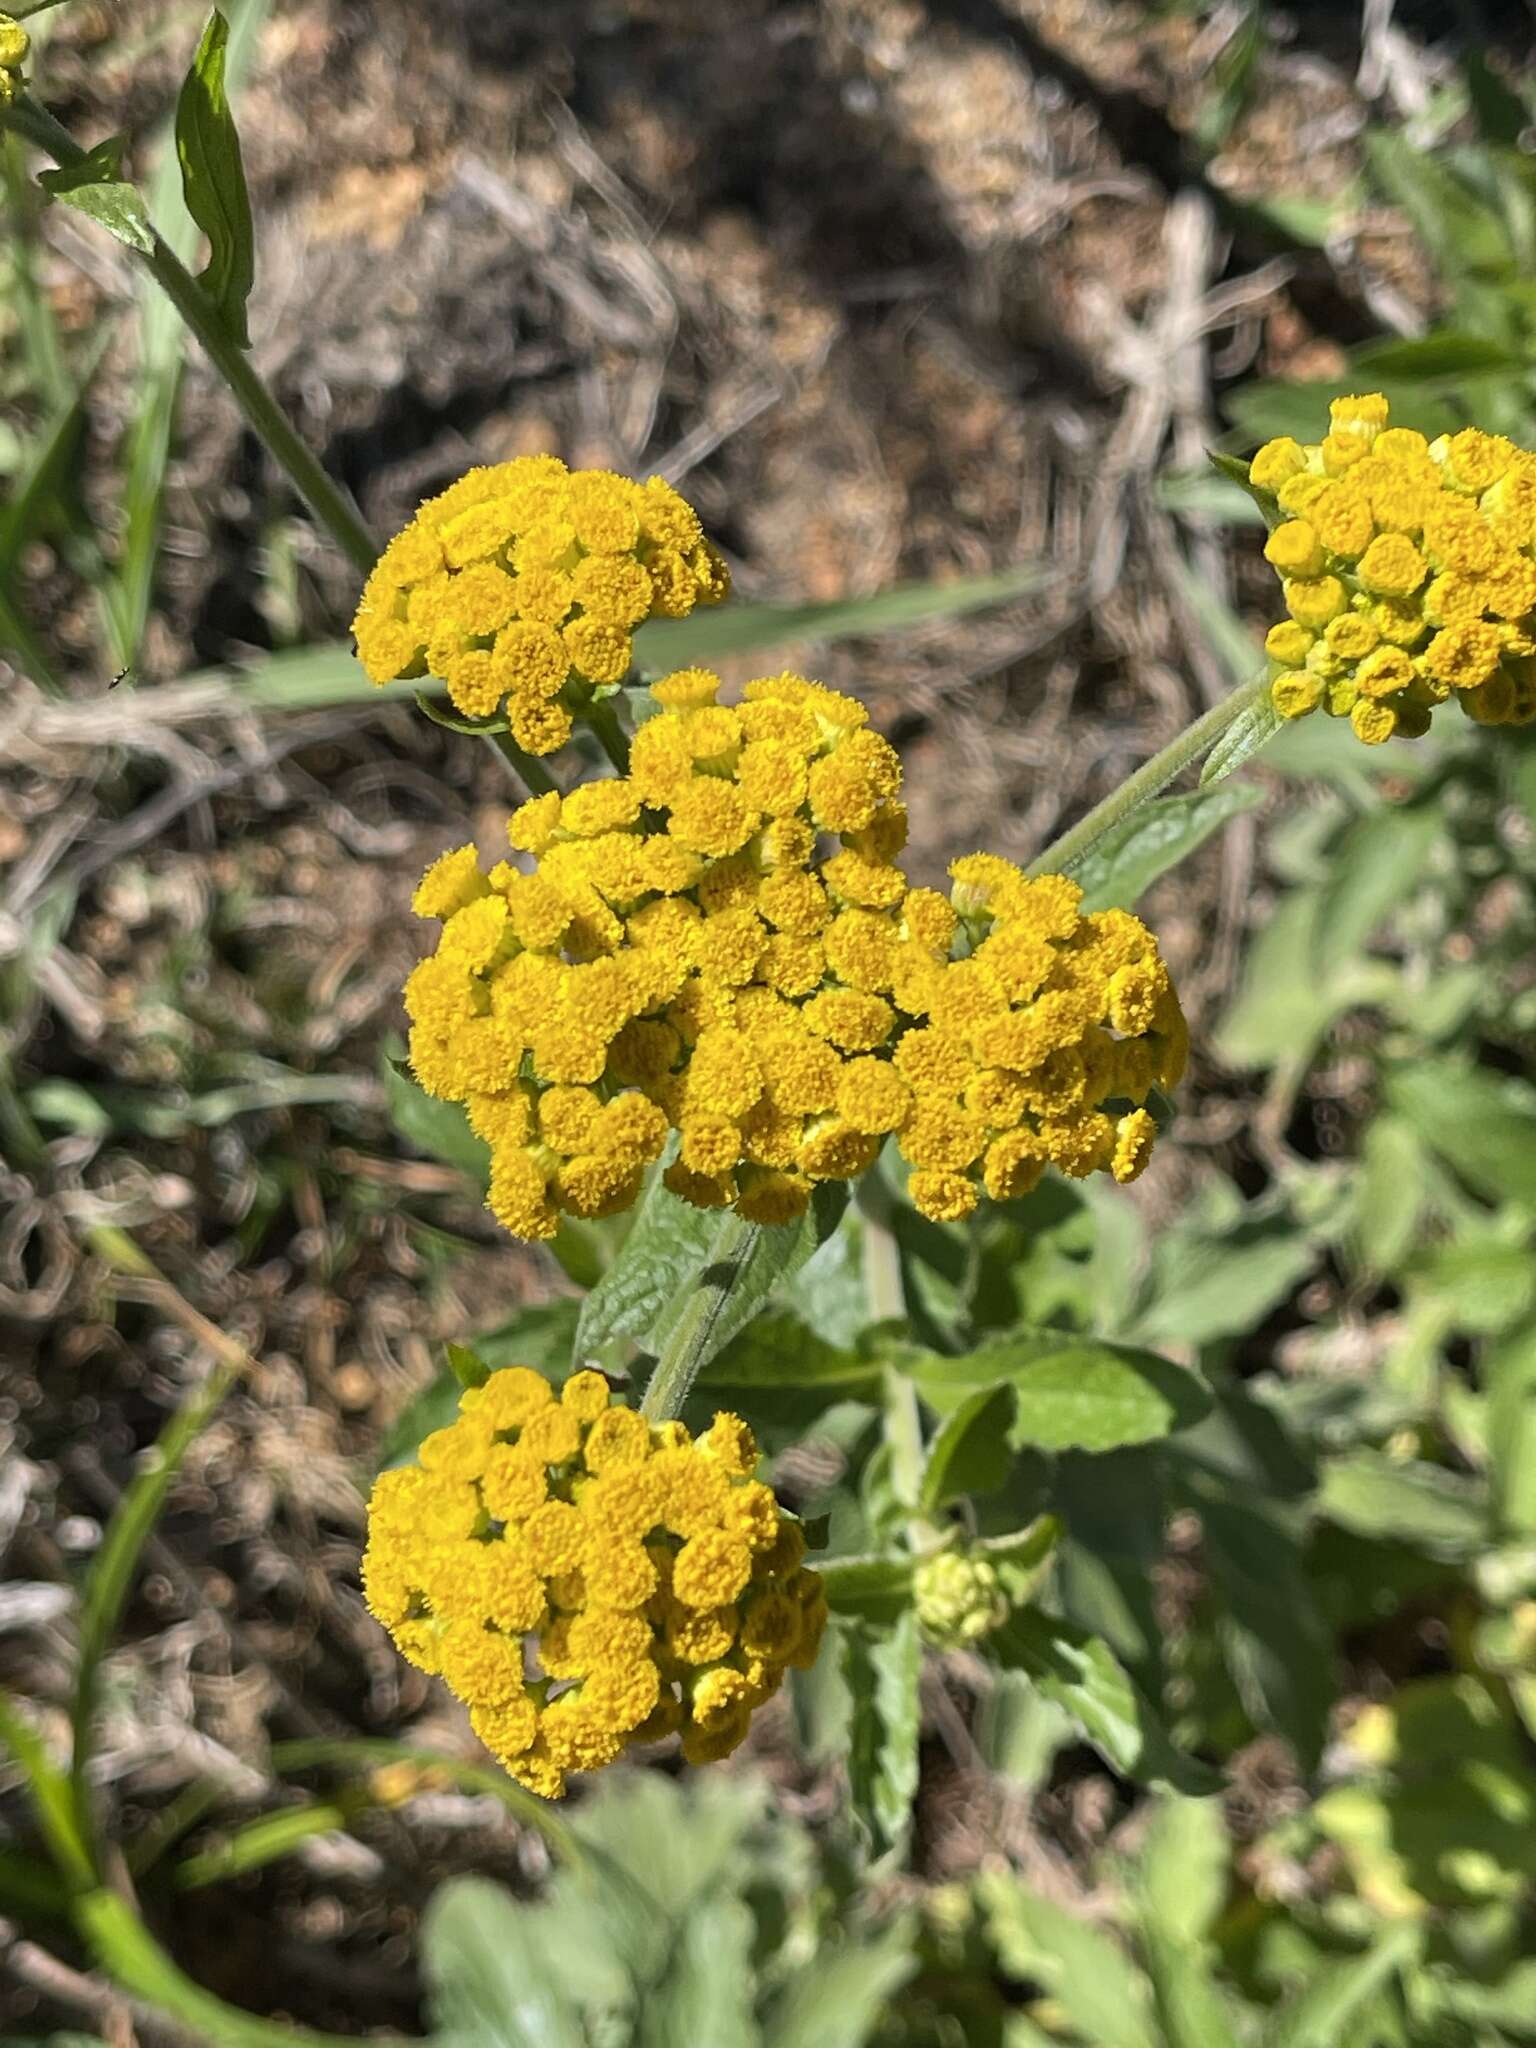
(14, 45)
(584, 1580)
(722, 944)
(1408, 572)
(958, 1599)
(521, 586)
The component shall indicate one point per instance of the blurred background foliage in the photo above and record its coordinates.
(1291, 1804)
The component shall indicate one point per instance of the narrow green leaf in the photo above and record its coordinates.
(665, 644)
(1248, 734)
(95, 187)
(1124, 864)
(437, 1128)
(113, 1568)
(882, 1667)
(213, 180)
(670, 1249)
(455, 721)
(971, 1455)
(258, 1843)
(1083, 1675)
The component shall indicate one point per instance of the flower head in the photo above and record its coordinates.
(684, 961)
(583, 1581)
(1409, 573)
(521, 584)
(958, 1599)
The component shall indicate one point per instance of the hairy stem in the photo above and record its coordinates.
(1064, 854)
(690, 1341)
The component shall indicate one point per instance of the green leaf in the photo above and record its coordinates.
(777, 1349)
(467, 1369)
(437, 1128)
(971, 1454)
(1318, 2018)
(1071, 1393)
(260, 1842)
(1462, 233)
(1123, 865)
(1082, 1674)
(836, 1998)
(1444, 352)
(1481, 1124)
(489, 1981)
(213, 180)
(665, 644)
(1183, 1873)
(671, 1248)
(1079, 1969)
(1207, 1283)
(1375, 864)
(705, 1994)
(1389, 1193)
(876, 1589)
(95, 187)
(1510, 1378)
(1190, 2008)
(881, 1668)
(1248, 734)
(455, 721)
(1406, 1501)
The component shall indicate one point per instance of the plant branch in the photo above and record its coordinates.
(1066, 852)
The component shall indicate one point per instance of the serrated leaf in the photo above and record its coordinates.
(1071, 1393)
(1123, 865)
(970, 1457)
(213, 180)
(437, 1128)
(881, 1668)
(1082, 1674)
(1081, 1970)
(1482, 1124)
(95, 187)
(1248, 734)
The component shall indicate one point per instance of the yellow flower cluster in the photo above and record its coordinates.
(14, 45)
(1409, 572)
(522, 584)
(687, 957)
(584, 1580)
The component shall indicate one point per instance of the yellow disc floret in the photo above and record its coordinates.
(583, 1580)
(1409, 572)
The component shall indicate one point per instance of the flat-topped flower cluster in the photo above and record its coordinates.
(522, 583)
(687, 955)
(584, 1580)
(1408, 572)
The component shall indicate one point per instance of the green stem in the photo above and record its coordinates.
(1064, 854)
(326, 500)
(690, 1341)
(528, 768)
(603, 719)
(883, 1286)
